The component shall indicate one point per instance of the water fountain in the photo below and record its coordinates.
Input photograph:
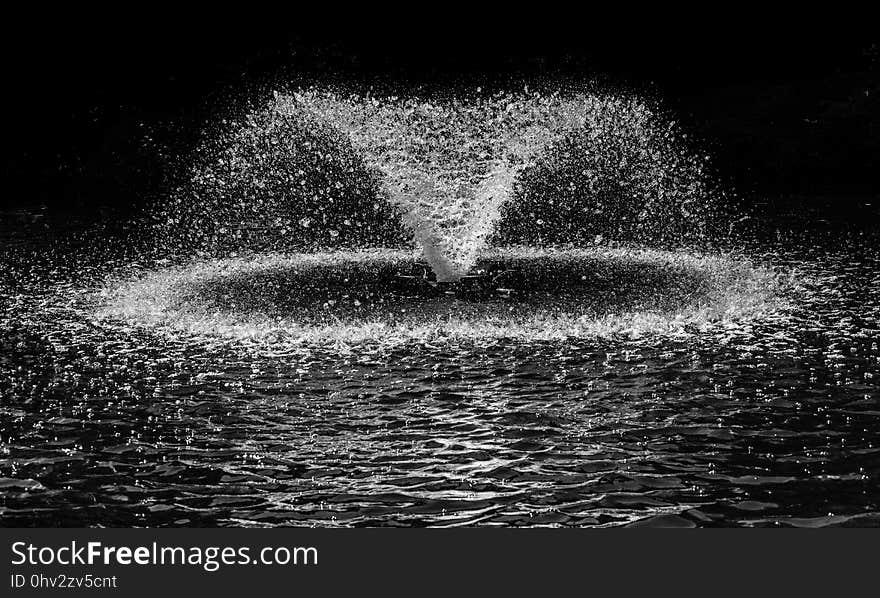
(505, 168)
(490, 214)
(499, 308)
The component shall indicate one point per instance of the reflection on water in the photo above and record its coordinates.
(758, 421)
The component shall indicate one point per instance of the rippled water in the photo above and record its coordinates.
(762, 420)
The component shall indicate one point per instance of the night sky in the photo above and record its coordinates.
(97, 112)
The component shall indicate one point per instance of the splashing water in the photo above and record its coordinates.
(457, 174)
(274, 301)
(448, 167)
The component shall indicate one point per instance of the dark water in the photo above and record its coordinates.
(771, 422)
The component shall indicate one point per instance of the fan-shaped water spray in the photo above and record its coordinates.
(325, 174)
(455, 173)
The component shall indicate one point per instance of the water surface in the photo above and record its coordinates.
(760, 421)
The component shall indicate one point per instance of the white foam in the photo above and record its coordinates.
(163, 300)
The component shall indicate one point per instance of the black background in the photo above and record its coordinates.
(100, 106)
